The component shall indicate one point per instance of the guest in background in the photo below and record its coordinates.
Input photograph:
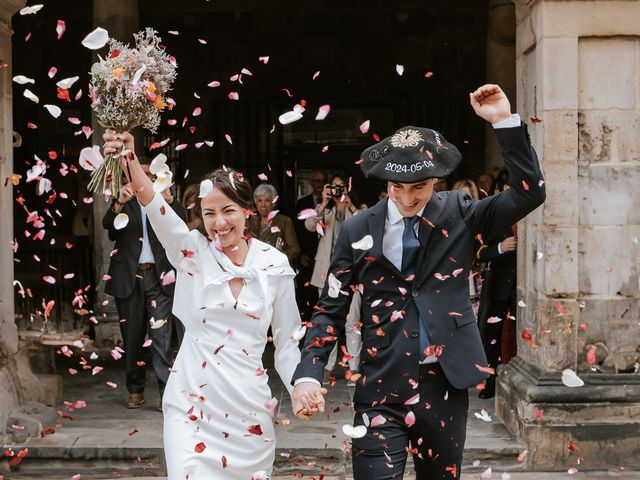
(485, 182)
(307, 294)
(497, 321)
(189, 202)
(336, 207)
(469, 186)
(442, 185)
(136, 281)
(272, 227)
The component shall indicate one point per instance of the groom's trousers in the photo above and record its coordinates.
(434, 434)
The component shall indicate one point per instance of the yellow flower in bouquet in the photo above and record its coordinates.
(128, 89)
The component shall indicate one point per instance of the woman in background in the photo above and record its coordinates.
(272, 227)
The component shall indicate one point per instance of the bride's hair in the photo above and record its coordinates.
(233, 185)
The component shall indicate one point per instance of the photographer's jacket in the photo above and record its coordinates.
(439, 292)
(326, 222)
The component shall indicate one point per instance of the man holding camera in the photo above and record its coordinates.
(336, 207)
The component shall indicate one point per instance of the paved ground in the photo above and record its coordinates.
(107, 431)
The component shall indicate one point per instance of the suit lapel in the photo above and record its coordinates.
(135, 210)
(376, 220)
(427, 224)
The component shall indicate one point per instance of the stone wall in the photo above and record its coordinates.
(579, 263)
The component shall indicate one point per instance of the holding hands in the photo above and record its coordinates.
(307, 398)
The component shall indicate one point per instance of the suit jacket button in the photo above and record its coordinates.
(414, 334)
(414, 293)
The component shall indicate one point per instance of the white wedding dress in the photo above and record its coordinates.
(218, 408)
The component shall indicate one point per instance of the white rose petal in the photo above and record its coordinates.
(44, 186)
(570, 379)
(483, 415)
(31, 9)
(22, 80)
(163, 180)
(486, 474)
(30, 95)
(34, 172)
(206, 187)
(54, 110)
(365, 243)
(298, 108)
(334, 286)
(400, 69)
(158, 163)
(289, 117)
(96, 39)
(121, 221)
(91, 158)
(354, 432)
(66, 83)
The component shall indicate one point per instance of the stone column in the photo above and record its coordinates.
(17, 383)
(501, 67)
(120, 19)
(578, 70)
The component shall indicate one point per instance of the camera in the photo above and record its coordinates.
(337, 190)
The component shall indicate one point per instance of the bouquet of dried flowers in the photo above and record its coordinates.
(128, 89)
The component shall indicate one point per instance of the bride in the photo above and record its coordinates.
(218, 408)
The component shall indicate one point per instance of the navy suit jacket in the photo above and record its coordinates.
(391, 303)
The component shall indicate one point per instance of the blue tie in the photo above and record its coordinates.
(410, 248)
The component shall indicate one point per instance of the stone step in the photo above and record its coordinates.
(105, 437)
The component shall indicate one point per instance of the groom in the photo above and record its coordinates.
(421, 346)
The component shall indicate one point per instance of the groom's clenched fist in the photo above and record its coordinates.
(307, 398)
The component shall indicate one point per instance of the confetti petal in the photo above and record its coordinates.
(334, 286)
(306, 213)
(354, 432)
(22, 80)
(365, 243)
(30, 95)
(67, 82)
(54, 110)
(364, 127)
(400, 69)
(60, 28)
(206, 187)
(31, 10)
(570, 379)
(289, 117)
(121, 221)
(96, 39)
(323, 111)
(158, 163)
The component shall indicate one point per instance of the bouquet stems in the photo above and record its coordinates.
(107, 178)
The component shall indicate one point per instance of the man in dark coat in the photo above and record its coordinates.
(306, 294)
(142, 282)
(410, 256)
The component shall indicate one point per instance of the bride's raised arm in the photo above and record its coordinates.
(171, 230)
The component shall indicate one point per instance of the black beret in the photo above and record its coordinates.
(410, 155)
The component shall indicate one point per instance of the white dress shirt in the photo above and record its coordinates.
(146, 254)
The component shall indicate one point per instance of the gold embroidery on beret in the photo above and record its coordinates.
(406, 138)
